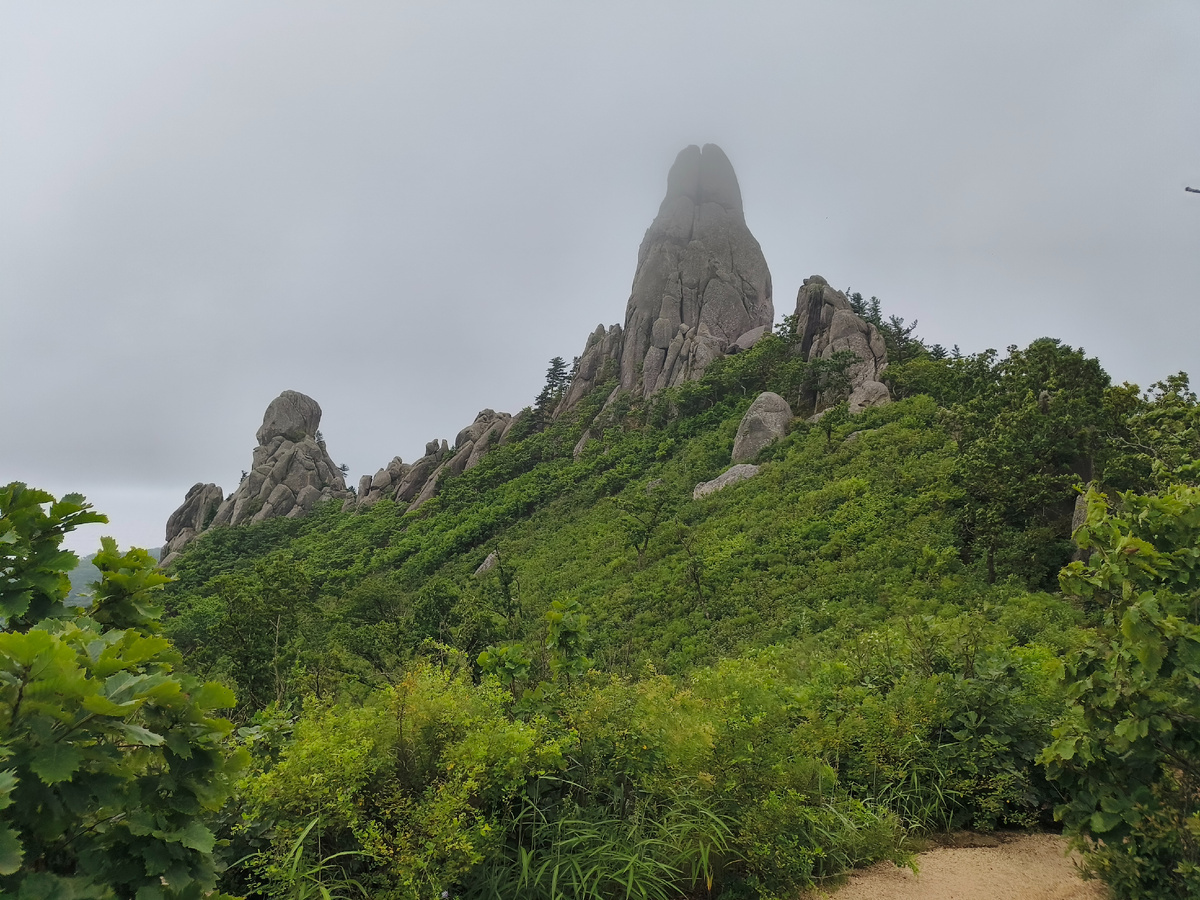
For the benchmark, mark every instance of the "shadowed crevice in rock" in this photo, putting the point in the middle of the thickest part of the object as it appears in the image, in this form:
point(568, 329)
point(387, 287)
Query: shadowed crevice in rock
point(826, 323)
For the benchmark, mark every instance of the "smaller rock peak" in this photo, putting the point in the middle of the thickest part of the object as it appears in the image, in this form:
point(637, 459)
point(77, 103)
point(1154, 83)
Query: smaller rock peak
point(815, 279)
point(292, 416)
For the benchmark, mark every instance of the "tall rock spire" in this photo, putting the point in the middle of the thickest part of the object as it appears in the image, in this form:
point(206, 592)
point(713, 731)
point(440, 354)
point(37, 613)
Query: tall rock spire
point(701, 284)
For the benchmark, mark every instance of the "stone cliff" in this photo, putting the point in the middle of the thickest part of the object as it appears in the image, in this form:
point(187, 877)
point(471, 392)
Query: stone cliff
point(701, 286)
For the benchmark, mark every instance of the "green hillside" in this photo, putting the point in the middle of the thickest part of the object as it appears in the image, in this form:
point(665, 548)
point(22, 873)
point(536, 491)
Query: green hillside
point(747, 691)
point(905, 622)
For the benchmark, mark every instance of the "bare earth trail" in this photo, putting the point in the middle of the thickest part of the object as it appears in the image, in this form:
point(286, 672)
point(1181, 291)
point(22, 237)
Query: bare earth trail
point(1000, 867)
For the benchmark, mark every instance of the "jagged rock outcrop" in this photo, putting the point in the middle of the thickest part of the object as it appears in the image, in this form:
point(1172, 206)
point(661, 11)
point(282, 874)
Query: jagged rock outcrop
point(415, 483)
point(725, 479)
point(291, 472)
point(384, 483)
point(199, 508)
point(701, 286)
point(826, 323)
point(600, 361)
point(765, 421)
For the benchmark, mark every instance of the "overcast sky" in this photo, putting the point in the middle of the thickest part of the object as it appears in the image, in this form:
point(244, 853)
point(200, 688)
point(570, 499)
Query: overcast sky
point(405, 209)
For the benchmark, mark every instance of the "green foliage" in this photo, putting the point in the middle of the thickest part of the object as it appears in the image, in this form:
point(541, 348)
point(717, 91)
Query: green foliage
point(769, 685)
point(1129, 751)
point(111, 757)
point(34, 569)
point(1026, 441)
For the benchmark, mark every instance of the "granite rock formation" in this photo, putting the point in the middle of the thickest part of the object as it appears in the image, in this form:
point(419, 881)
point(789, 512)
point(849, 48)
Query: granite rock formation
point(291, 472)
point(826, 323)
point(765, 421)
point(701, 286)
point(199, 508)
point(730, 476)
point(415, 483)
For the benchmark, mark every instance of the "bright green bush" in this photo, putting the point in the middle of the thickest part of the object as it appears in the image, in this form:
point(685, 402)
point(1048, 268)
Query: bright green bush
point(1128, 753)
point(112, 758)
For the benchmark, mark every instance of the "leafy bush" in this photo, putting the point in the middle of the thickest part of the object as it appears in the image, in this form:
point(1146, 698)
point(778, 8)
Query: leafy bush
point(112, 758)
point(1129, 751)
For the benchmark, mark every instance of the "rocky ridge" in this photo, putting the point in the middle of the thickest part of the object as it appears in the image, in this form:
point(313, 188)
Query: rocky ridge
point(701, 290)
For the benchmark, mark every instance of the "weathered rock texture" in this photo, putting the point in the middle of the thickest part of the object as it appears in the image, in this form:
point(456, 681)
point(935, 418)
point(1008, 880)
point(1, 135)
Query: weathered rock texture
point(827, 323)
point(724, 480)
point(701, 287)
point(765, 421)
point(415, 483)
point(199, 508)
point(291, 472)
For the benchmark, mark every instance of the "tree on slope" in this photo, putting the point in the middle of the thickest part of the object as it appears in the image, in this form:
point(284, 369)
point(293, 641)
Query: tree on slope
point(1129, 752)
point(108, 756)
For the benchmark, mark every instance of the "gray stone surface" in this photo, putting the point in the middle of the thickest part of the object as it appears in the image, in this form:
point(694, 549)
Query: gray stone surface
point(493, 559)
point(867, 394)
point(291, 472)
point(749, 339)
point(765, 421)
point(291, 416)
point(730, 476)
point(199, 508)
point(827, 323)
point(700, 286)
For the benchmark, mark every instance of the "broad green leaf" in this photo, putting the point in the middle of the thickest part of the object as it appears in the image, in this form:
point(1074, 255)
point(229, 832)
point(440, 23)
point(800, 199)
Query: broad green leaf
point(101, 705)
point(139, 735)
point(212, 695)
point(8, 783)
point(197, 837)
point(1104, 821)
point(11, 851)
point(56, 762)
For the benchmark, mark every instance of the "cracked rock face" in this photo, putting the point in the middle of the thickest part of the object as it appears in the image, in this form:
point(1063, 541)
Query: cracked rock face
point(199, 508)
point(765, 422)
point(416, 482)
point(826, 323)
point(291, 472)
point(701, 285)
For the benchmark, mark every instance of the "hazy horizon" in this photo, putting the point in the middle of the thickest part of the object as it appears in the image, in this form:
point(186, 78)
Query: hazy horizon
point(406, 211)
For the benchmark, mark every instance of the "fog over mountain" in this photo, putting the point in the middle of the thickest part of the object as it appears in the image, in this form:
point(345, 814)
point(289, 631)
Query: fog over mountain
point(404, 210)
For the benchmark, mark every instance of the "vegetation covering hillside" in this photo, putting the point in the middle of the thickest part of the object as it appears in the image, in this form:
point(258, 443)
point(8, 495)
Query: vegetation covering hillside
point(650, 695)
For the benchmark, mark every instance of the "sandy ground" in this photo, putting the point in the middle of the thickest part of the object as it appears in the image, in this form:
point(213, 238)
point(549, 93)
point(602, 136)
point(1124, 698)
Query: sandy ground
point(1005, 867)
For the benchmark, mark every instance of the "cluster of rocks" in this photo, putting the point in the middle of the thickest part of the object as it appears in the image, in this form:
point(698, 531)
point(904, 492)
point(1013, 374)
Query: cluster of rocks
point(415, 483)
point(702, 287)
point(826, 323)
point(701, 290)
point(291, 472)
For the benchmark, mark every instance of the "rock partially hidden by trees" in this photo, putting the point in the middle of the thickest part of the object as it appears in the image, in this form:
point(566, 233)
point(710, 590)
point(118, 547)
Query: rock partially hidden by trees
point(826, 324)
point(199, 508)
point(417, 482)
point(493, 559)
point(292, 472)
point(765, 421)
point(730, 476)
point(701, 286)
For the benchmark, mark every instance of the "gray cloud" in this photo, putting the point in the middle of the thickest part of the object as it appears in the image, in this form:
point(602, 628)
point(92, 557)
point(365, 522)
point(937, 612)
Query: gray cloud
point(405, 209)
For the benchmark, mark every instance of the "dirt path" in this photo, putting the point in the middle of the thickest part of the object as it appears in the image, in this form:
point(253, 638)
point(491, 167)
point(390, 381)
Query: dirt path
point(1006, 867)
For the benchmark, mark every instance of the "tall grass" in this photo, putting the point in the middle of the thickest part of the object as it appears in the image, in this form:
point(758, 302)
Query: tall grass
point(581, 853)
